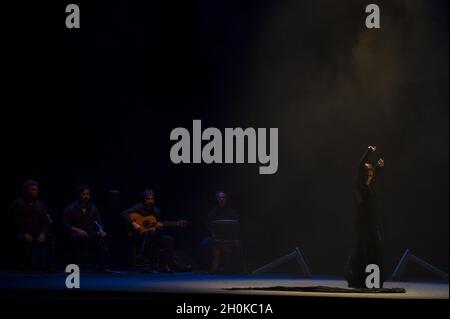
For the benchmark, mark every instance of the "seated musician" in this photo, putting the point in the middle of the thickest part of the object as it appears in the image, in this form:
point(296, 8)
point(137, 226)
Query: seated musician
point(31, 224)
point(221, 251)
point(146, 243)
point(84, 228)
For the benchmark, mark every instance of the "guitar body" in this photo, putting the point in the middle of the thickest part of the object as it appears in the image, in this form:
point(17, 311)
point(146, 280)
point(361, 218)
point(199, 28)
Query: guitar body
point(147, 223)
point(150, 224)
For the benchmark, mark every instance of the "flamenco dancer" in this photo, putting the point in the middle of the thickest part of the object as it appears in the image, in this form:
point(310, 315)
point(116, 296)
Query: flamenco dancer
point(368, 246)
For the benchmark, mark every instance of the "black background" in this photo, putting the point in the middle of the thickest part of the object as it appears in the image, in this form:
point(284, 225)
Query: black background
point(97, 105)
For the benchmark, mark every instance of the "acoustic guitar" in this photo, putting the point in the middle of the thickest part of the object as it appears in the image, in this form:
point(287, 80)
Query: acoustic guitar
point(150, 224)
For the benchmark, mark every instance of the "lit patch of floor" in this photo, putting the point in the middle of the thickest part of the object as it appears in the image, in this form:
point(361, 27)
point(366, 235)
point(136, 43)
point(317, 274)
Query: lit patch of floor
point(192, 283)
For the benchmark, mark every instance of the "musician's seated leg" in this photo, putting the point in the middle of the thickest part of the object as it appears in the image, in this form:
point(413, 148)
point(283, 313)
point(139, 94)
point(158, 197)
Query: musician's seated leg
point(136, 244)
point(39, 255)
point(50, 251)
point(167, 245)
point(227, 258)
point(93, 248)
point(152, 254)
point(132, 253)
point(145, 251)
point(216, 257)
point(84, 250)
point(75, 246)
point(205, 253)
point(22, 252)
point(233, 258)
point(31, 255)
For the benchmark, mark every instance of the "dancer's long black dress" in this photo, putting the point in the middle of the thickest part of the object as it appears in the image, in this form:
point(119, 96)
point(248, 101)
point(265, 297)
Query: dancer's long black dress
point(368, 247)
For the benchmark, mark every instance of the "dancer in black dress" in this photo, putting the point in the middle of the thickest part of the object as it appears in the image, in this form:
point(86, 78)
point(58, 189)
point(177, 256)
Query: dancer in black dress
point(368, 248)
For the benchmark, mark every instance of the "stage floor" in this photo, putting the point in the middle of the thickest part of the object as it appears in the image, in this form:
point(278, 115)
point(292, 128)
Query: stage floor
point(188, 283)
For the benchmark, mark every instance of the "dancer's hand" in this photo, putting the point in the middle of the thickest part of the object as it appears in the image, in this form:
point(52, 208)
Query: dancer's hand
point(380, 163)
point(372, 148)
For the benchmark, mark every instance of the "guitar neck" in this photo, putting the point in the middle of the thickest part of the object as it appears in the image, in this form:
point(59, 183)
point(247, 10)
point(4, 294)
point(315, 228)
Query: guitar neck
point(170, 223)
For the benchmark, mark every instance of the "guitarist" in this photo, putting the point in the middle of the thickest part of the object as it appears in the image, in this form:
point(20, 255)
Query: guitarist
point(146, 243)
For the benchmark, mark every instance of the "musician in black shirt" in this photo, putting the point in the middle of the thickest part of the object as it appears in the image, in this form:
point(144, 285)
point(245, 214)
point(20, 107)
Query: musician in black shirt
point(84, 227)
point(31, 225)
point(222, 251)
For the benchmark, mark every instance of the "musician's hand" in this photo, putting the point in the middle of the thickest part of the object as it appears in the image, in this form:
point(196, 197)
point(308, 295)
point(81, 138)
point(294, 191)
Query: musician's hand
point(380, 163)
point(101, 233)
point(372, 148)
point(136, 226)
point(159, 225)
point(28, 238)
point(41, 238)
point(82, 233)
